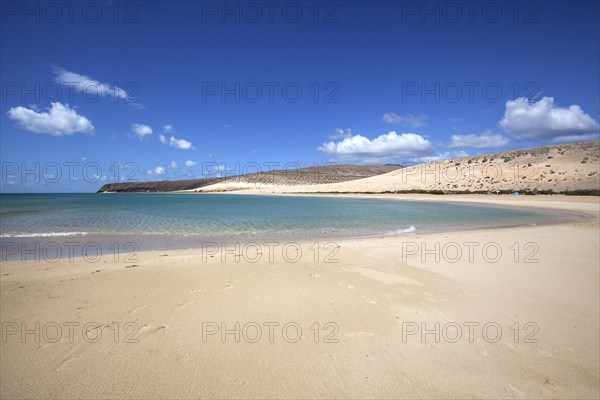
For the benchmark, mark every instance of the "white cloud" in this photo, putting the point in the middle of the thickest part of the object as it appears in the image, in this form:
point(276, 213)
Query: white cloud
point(167, 128)
point(543, 120)
point(173, 165)
point(141, 130)
point(487, 140)
point(58, 121)
point(190, 163)
point(91, 87)
point(157, 171)
point(408, 120)
point(388, 146)
point(177, 143)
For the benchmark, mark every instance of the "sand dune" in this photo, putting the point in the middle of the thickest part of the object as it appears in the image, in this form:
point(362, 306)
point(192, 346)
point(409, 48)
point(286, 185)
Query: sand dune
point(569, 168)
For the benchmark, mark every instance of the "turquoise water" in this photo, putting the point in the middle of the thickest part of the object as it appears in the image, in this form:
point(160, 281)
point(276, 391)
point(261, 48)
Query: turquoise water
point(242, 217)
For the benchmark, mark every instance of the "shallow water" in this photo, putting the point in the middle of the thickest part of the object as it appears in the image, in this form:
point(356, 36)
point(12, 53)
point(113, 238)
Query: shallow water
point(162, 221)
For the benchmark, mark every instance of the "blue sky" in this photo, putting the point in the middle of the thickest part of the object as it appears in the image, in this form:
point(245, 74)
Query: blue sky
point(178, 90)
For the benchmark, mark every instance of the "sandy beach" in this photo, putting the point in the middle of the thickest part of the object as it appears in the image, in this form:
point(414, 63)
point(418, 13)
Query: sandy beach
point(504, 313)
point(299, 200)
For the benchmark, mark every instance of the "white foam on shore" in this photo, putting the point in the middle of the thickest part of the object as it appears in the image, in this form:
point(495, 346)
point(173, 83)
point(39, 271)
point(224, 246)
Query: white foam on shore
point(410, 229)
point(51, 234)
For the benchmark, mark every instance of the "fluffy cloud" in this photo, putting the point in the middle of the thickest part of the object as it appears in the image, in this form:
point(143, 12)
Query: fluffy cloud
point(388, 146)
point(190, 163)
point(487, 140)
point(58, 121)
point(157, 171)
point(177, 143)
point(408, 120)
point(91, 87)
point(173, 165)
point(167, 128)
point(141, 130)
point(543, 120)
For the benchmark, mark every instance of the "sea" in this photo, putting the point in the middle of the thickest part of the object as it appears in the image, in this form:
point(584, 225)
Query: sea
point(166, 221)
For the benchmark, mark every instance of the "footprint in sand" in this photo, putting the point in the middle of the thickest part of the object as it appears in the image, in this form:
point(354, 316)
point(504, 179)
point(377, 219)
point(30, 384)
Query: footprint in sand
point(550, 384)
point(184, 305)
point(196, 290)
point(148, 330)
point(138, 309)
point(545, 353)
point(368, 300)
point(513, 392)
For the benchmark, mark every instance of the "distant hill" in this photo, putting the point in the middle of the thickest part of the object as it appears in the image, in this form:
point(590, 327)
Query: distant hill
point(300, 176)
point(566, 168)
point(157, 186)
